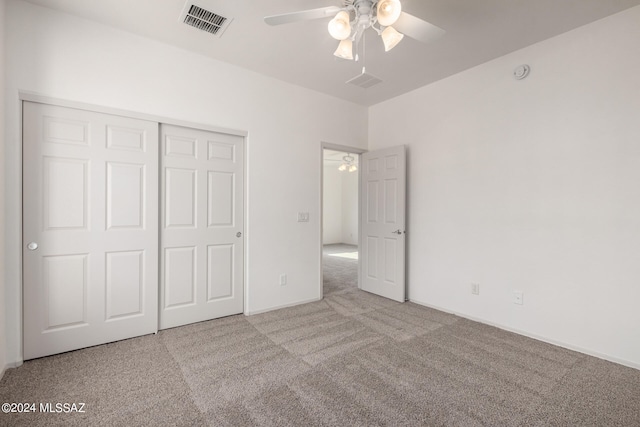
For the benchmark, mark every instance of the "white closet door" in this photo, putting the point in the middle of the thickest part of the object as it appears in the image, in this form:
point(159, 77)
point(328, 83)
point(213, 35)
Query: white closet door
point(202, 226)
point(90, 228)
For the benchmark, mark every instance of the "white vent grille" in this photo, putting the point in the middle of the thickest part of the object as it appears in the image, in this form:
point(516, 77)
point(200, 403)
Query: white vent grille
point(204, 20)
point(364, 80)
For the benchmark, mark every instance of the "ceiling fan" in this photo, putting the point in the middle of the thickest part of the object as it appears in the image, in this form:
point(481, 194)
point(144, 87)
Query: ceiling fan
point(355, 16)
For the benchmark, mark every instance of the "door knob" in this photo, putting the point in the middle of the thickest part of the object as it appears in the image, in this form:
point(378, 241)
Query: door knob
point(32, 246)
point(397, 232)
point(238, 234)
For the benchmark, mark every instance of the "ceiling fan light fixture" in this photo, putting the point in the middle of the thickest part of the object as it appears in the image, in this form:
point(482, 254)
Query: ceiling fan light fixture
point(345, 50)
point(339, 27)
point(348, 164)
point(388, 12)
point(390, 38)
point(350, 21)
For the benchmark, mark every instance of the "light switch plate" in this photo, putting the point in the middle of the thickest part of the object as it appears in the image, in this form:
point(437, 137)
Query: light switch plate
point(303, 216)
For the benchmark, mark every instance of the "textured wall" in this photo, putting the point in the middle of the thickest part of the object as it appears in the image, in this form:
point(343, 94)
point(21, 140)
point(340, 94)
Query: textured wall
point(531, 185)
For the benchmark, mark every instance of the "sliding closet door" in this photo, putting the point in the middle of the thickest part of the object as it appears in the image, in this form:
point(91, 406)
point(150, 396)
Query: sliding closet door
point(202, 225)
point(90, 228)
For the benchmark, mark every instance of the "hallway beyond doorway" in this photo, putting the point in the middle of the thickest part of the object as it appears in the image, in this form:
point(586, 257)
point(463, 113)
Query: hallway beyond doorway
point(340, 268)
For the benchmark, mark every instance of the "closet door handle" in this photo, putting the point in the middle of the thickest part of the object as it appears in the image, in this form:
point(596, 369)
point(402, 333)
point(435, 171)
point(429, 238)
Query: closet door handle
point(238, 234)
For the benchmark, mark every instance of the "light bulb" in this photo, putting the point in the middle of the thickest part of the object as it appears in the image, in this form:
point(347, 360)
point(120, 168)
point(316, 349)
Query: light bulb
point(390, 38)
point(353, 168)
point(342, 167)
point(339, 27)
point(388, 12)
point(344, 50)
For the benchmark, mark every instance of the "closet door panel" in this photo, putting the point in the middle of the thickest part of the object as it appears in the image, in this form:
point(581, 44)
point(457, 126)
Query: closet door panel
point(90, 228)
point(202, 207)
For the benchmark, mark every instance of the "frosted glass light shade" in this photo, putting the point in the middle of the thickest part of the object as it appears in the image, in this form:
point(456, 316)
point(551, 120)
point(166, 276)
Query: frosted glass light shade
point(344, 50)
point(388, 12)
point(390, 38)
point(339, 27)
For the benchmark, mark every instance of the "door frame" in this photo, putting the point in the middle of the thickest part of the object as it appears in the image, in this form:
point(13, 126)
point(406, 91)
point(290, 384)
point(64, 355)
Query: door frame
point(348, 149)
point(15, 311)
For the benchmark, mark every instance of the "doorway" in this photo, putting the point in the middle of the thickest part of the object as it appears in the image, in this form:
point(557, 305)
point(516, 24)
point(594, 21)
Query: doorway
point(340, 220)
point(381, 200)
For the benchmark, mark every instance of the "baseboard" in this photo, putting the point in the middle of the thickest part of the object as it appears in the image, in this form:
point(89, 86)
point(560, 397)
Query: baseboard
point(278, 307)
point(588, 352)
point(9, 366)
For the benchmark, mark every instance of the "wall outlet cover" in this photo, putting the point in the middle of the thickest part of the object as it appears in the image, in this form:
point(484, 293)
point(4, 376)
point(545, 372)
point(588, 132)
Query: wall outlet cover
point(518, 297)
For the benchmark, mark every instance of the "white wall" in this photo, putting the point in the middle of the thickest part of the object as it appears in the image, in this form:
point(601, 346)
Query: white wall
point(340, 206)
point(331, 205)
point(3, 341)
point(531, 185)
point(62, 56)
point(350, 208)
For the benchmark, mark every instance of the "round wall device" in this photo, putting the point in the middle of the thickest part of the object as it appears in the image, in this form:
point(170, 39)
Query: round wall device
point(521, 72)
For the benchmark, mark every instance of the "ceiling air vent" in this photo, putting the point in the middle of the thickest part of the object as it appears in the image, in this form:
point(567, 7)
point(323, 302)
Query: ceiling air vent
point(204, 20)
point(364, 80)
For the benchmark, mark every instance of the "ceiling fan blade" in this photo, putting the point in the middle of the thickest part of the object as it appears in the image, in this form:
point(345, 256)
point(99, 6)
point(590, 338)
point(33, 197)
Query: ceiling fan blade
point(303, 15)
point(417, 29)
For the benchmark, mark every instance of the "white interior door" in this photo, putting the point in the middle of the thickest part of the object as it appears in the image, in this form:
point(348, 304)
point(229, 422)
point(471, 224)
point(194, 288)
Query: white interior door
point(90, 228)
point(202, 217)
point(383, 198)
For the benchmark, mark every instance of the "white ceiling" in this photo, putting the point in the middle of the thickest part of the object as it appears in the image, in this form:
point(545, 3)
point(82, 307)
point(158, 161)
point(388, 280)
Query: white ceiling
point(302, 53)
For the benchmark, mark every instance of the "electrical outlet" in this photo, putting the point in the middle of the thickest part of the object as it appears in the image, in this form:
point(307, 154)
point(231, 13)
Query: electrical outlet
point(283, 279)
point(518, 297)
point(475, 288)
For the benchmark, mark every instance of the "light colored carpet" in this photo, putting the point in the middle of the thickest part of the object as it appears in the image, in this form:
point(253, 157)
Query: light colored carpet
point(352, 359)
point(339, 273)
